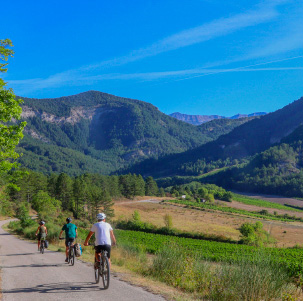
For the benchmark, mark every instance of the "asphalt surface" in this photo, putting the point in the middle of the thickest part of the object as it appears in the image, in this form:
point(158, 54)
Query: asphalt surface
point(28, 275)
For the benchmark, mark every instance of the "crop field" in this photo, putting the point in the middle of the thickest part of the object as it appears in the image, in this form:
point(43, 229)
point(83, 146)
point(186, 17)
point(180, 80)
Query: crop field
point(213, 251)
point(227, 209)
point(262, 203)
point(209, 222)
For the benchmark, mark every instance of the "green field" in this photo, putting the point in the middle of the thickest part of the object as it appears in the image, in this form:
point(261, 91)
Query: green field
point(261, 203)
point(213, 251)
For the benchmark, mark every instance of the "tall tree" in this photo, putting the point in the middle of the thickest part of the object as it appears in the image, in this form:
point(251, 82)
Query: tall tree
point(64, 191)
point(10, 132)
point(151, 187)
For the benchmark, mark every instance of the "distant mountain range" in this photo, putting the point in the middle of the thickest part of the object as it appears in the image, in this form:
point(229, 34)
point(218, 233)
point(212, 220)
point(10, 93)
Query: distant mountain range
point(97, 132)
point(102, 133)
point(199, 119)
point(243, 142)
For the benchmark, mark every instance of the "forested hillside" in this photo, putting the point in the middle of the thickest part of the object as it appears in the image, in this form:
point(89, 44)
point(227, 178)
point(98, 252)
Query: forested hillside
point(101, 133)
point(244, 141)
point(278, 170)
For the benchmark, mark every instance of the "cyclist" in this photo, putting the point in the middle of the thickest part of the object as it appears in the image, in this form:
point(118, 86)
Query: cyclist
point(41, 232)
point(104, 236)
point(70, 234)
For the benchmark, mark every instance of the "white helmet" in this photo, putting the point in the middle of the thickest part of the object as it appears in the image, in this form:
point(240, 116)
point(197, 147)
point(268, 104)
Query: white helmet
point(101, 216)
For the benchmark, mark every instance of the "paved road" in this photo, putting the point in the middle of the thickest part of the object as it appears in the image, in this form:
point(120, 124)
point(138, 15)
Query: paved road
point(29, 275)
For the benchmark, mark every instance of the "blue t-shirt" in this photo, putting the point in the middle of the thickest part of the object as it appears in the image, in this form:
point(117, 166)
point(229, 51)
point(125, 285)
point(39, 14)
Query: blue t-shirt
point(70, 230)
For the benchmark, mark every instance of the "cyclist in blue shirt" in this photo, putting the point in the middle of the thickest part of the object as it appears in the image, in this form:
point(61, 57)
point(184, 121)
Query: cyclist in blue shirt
point(70, 234)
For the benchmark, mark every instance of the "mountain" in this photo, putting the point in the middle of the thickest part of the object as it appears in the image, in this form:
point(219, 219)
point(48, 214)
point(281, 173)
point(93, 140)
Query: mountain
point(277, 170)
point(99, 132)
point(195, 119)
point(200, 119)
point(246, 140)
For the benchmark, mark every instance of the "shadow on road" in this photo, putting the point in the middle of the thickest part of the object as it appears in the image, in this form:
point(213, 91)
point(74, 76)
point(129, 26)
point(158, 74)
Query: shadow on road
point(5, 233)
point(18, 254)
point(55, 288)
point(33, 266)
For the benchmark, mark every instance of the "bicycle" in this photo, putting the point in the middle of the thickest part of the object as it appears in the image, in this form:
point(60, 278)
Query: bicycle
point(42, 245)
point(71, 252)
point(102, 269)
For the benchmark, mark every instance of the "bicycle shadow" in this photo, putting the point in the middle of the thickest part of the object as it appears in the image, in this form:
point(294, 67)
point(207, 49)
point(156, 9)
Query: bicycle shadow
point(56, 288)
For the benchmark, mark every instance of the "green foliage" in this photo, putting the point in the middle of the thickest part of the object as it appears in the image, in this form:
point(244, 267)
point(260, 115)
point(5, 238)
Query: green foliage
point(198, 191)
point(84, 195)
point(136, 217)
point(46, 206)
point(151, 187)
point(234, 148)
point(254, 278)
point(22, 214)
point(291, 259)
point(168, 221)
point(128, 132)
point(255, 235)
point(261, 203)
point(10, 133)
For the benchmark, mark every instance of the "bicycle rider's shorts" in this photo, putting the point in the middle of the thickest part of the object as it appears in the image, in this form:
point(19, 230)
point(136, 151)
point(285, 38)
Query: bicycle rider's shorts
point(71, 240)
point(107, 248)
point(39, 236)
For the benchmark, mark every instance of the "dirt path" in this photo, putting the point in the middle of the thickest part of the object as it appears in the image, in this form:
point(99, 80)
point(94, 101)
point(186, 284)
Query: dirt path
point(29, 275)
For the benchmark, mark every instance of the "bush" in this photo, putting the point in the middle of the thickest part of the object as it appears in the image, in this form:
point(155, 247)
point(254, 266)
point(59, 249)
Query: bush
point(255, 235)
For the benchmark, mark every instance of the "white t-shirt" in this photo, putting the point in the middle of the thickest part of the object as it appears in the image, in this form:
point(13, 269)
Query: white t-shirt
point(102, 233)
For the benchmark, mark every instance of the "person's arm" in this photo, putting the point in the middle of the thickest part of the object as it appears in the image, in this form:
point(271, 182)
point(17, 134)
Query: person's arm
point(37, 231)
point(113, 238)
point(76, 233)
point(90, 234)
point(60, 233)
point(45, 230)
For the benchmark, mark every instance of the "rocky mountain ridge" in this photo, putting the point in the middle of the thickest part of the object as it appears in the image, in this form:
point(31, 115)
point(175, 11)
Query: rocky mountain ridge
point(200, 119)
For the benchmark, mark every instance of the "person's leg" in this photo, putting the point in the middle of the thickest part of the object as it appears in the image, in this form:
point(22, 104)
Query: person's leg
point(38, 245)
point(66, 250)
point(97, 255)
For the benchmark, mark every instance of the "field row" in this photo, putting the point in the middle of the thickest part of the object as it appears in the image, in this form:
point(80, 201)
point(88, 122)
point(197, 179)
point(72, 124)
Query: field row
point(262, 203)
point(262, 214)
point(292, 259)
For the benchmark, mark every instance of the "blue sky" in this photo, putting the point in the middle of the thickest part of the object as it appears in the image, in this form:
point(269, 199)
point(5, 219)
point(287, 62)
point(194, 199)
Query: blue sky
point(194, 57)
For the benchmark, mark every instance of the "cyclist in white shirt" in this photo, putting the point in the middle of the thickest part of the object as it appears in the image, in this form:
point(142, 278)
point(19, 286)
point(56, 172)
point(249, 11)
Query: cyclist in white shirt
point(104, 236)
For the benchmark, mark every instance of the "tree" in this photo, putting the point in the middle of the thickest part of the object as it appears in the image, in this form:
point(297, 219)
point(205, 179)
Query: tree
point(100, 201)
point(10, 110)
point(151, 187)
point(64, 191)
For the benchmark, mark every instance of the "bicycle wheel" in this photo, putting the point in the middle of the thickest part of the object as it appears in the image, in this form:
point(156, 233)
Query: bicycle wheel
point(105, 272)
point(42, 246)
point(72, 256)
point(97, 273)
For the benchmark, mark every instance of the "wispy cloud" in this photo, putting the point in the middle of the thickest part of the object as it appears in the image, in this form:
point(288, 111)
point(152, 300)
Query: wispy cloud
point(59, 80)
point(264, 12)
point(214, 29)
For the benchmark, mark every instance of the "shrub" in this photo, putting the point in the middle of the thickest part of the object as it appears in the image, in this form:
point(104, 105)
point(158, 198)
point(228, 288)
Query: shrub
point(255, 235)
point(168, 221)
